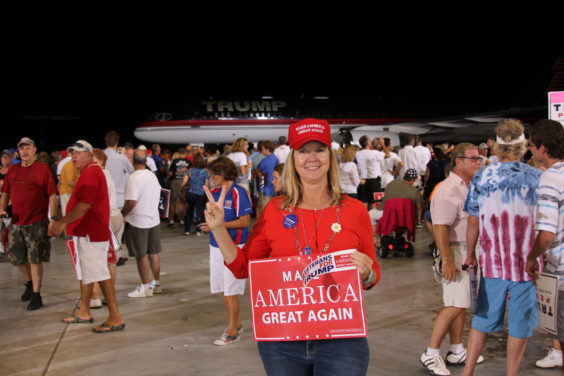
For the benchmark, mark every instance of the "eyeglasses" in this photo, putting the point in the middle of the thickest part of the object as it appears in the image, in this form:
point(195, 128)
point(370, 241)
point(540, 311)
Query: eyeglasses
point(473, 159)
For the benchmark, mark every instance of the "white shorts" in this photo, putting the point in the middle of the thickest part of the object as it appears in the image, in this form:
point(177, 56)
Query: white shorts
point(64, 198)
point(93, 259)
point(221, 278)
point(457, 293)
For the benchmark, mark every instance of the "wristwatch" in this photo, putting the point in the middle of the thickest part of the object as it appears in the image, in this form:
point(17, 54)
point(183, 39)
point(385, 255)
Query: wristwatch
point(55, 218)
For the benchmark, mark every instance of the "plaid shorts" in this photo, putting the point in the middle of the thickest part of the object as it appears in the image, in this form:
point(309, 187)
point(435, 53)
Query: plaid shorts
point(29, 243)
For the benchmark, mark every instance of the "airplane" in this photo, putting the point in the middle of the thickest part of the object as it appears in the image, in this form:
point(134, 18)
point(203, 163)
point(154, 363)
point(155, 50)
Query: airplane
point(223, 120)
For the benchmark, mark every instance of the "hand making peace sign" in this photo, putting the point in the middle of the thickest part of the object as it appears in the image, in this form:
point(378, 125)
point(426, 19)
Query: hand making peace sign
point(214, 209)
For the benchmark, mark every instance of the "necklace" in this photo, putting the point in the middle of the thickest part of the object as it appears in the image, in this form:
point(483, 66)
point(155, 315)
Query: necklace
point(307, 249)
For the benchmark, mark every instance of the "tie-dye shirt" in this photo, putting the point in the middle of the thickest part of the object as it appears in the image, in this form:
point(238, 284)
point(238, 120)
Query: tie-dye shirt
point(503, 197)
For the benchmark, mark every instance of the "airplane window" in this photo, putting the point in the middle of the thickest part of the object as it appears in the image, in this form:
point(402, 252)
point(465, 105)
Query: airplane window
point(163, 116)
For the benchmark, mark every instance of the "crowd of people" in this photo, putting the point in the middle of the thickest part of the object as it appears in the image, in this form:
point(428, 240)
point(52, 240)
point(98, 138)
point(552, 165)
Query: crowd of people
point(485, 209)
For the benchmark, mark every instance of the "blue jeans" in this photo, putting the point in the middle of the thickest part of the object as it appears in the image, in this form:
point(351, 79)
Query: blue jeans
point(346, 357)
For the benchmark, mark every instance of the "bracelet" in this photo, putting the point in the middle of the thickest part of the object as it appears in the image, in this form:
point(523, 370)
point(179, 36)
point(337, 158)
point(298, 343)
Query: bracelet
point(369, 278)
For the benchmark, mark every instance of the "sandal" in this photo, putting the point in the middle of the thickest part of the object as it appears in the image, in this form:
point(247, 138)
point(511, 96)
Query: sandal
point(110, 328)
point(78, 320)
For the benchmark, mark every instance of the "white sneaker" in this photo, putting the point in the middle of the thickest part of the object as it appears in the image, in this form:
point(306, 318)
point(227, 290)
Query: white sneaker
point(141, 292)
point(434, 364)
point(157, 289)
point(553, 359)
point(226, 339)
point(95, 303)
point(453, 359)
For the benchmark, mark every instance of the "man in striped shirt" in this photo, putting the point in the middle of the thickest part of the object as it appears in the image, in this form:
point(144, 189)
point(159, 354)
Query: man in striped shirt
point(546, 138)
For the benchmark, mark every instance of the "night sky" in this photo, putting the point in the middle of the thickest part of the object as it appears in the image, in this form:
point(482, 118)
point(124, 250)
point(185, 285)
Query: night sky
point(62, 99)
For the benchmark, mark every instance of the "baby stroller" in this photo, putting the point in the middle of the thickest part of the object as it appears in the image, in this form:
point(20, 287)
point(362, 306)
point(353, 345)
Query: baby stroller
point(398, 218)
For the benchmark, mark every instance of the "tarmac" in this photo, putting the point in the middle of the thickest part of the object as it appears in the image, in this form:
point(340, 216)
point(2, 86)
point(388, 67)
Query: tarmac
point(172, 333)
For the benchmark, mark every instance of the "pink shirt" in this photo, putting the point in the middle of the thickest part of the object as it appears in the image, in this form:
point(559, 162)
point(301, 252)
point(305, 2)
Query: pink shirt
point(446, 207)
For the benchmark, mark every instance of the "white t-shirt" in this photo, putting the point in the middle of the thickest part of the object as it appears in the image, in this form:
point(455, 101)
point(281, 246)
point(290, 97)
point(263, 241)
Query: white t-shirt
point(389, 164)
point(424, 156)
point(408, 156)
point(61, 164)
point(111, 194)
point(348, 177)
point(369, 166)
point(240, 159)
point(151, 164)
point(143, 187)
point(281, 152)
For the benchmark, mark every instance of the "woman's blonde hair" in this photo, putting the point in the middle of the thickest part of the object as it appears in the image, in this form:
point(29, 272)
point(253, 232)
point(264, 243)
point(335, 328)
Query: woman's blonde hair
point(292, 185)
point(238, 145)
point(349, 153)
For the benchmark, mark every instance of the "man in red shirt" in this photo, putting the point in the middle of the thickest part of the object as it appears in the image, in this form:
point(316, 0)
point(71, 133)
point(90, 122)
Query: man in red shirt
point(31, 188)
point(88, 220)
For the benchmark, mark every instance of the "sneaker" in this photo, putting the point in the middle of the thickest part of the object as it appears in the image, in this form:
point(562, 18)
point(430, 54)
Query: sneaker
point(141, 292)
point(95, 303)
point(553, 359)
point(453, 359)
point(434, 364)
point(199, 233)
point(157, 289)
point(187, 233)
point(35, 302)
point(28, 291)
point(170, 224)
point(226, 339)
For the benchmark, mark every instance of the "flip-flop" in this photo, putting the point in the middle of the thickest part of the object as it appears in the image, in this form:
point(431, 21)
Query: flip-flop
point(78, 320)
point(111, 328)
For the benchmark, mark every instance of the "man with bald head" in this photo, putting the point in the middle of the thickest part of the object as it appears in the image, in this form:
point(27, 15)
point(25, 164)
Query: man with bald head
point(143, 236)
point(87, 218)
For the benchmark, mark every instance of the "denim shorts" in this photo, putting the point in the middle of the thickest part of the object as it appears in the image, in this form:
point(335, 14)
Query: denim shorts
point(335, 357)
point(521, 307)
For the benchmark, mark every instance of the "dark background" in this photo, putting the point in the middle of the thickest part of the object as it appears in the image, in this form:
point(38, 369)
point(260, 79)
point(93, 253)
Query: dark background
point(57, 95)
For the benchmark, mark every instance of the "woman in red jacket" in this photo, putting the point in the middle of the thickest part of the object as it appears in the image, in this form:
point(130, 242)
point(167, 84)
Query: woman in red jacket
point(322, 221)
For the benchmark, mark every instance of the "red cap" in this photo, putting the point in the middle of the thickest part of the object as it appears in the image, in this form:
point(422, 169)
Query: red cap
point(307, 130)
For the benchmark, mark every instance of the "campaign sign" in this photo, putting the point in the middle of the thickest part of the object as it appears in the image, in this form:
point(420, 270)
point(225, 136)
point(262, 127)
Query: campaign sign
point(74, 257)
point(328, 263)
point(164, 203)
point(556, 106)
point(285, 309)
point(547, 298)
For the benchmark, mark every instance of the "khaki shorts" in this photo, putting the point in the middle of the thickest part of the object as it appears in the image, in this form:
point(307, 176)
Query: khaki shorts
point(29, 243)
point(93, 259)
point(143, 241)
point(457, 293)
